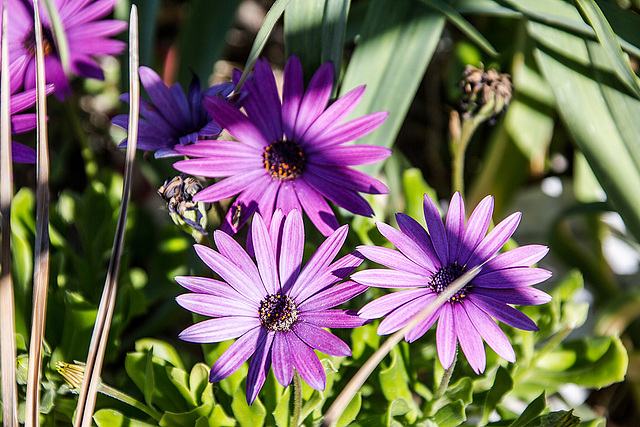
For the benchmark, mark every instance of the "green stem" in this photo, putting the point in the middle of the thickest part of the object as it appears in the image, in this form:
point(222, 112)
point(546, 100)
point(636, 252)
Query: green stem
point(444, 383)
point(117, 394)
point(297, 398)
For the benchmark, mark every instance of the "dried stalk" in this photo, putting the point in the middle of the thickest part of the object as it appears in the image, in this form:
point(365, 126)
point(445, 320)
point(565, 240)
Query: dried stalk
point(88, 391)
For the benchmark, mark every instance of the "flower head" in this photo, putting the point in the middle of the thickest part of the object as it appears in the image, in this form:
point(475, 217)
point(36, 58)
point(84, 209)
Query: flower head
point(427, 262)
point(291, 154)
point(275, 309)
point(172, 119)
point(86, 33)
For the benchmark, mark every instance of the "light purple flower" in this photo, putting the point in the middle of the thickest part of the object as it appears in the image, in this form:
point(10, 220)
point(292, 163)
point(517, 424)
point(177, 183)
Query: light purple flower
point(172, 119)
point(275, 309)
point(292, 154)
point(25, 122)
point(86, 33)
point(428, 262)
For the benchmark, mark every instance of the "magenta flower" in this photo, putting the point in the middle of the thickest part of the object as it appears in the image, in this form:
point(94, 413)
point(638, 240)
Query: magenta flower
point(171, 118)
point(25, 122)
point(275, 309)
point(427, 262)
point(292, 154)
point(86, 33)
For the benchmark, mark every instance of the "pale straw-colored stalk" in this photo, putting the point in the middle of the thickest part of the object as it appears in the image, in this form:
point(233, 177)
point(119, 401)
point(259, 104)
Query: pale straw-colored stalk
point(339, 405)
point(7, 322)
point(97, 347)
point(41, 253)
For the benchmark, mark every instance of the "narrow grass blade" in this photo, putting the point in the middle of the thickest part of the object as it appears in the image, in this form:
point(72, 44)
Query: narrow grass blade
point(97, 347)
point(41, 264)
point(261, 38)
point(7, 322)
point(338, 406)
point(59, 35)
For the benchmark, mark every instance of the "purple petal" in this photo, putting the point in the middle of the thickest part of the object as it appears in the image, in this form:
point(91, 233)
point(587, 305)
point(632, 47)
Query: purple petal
point(333, 318)
point(335, 114)
point(476, 229)
point(470, 340)
point(265, 257)
point(392, 258)
point(436, 230)
point(522, 256)
point(220, 167)
point(292, 249)
point(223, 189)
point(258, 368)
point(333, 296)
point(385, 304)
point(446, 336)
point(382, 278)
point(321, 340)
point(232, 250)
point(231, 119)
point(263, 103)
point(276, 228)
point(349, 178)
point(316, 208)
point(517, 296)
point(343, 267)
point(287, 200)
point(219, 329)
point(236, 354)
point(315, 99)
point(281, 359)
point(306, 363)
point(229, 150)
point(306, 284)
point(511, 277)
point(217, 306)
point(161, 96)
point(490, 332)
point(205, 285)
point(22, 154)
point(411, 241)
point(350, 131)
point(455, 226)
point(420, 329)
point(403, 314)
point(495, 240)
point(292, 91)
point(503, 312)
point(230, 273)
point(259, 197)
point(348, 155)
point(341, 196)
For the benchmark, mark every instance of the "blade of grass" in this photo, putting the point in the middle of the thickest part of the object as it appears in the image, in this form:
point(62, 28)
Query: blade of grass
point(59, 35)
point(41, 267)
point(261, 38)
point(7, 322)
point(97, 347)
point(338, 406)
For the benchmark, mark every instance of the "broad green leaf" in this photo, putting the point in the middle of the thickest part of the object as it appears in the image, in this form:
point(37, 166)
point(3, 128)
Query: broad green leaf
point(462, 24)
point(247, 416)
point(148, 11)
point(351, 411)
point(609, 41)
point(534, 409)
point(397, 408)
point(180, 380)
point(149, 379)
point(282, 413)
point(334, 23)
point(450, 415)
point(261, 38)
point(396, 45)
point(588, 105)
point(187, 419)
point(161, 349)
point(303, 33)
point(198, 381)
point(502, 384)
point(202, 37)
point(112, 418)
point(415, 187)
point(394, 382)
point(22, 229)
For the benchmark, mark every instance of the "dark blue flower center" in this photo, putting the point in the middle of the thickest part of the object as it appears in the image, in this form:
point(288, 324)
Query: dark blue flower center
point(444, 277)
point(278, 312)
point(48, 43)
point(284, 159)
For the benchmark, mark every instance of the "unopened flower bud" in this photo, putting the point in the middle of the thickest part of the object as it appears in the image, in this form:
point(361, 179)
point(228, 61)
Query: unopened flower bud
point(485, 93)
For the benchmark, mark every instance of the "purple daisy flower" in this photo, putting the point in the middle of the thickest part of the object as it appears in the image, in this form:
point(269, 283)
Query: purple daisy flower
point(172, 119)
point(21, 123)
point(275, 309)
point(427, 262)
point(291, 154)
point(87, 37)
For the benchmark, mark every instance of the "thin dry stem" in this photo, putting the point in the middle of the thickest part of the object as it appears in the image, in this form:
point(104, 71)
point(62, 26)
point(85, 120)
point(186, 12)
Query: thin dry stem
point(88, 391)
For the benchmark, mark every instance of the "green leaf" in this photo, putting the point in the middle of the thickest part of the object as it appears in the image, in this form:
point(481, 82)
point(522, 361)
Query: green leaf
point(397, 408)
point(247, 416)
point(350, 412)
point(334, 23)
point(202, 37)
point(303, 33)
point(180, 381)
point(502, 384)
point(415, 187)
point(281, 413)
point(534, 409)
point(111, 418)
point(161, 349)
point(148, 11)
point(188, 419)
point(394, 382)
point(450, 415)
point(149, 380)
point(198, 381)
point(397, 42)
point(261, 38)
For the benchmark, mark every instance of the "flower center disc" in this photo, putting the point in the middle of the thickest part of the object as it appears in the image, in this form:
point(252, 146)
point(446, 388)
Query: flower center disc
point(278, 312)
point(48, 45)
point(284, 159)
point(444, 277)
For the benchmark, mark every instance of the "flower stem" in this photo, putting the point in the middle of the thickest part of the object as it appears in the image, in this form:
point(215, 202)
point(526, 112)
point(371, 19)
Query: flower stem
point(297, 398)
point(444, 383)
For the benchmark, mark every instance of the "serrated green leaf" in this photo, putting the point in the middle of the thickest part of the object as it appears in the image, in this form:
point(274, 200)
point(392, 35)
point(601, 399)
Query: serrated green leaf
point(111, 417)
point(532, 410)
point(450, 415)
point(396, 45)
point(247, 416)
